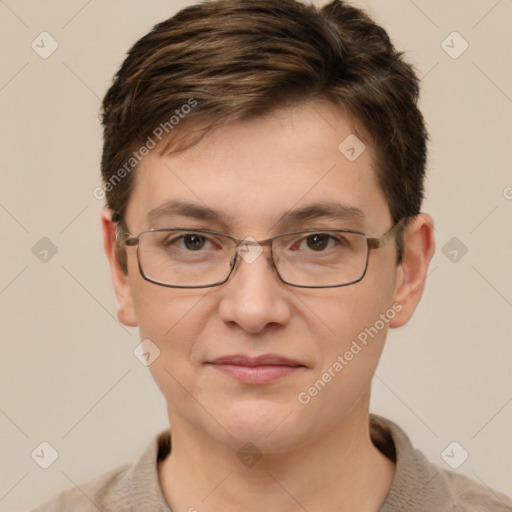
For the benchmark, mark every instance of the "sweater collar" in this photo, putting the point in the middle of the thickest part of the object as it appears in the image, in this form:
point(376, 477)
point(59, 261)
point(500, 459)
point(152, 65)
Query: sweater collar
point(415, 478)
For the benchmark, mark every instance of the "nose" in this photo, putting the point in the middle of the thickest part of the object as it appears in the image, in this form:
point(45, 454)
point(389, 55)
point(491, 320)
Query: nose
point(254, 296)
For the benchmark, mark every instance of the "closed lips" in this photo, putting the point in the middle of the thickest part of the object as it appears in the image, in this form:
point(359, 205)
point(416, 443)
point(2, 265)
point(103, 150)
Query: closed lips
point(265, 360)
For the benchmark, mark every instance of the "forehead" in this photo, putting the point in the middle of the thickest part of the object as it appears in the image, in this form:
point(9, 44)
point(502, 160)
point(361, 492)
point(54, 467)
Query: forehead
point(252, 173)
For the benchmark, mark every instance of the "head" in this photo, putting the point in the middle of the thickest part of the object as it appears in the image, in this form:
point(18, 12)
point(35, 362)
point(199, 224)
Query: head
point(243, 109)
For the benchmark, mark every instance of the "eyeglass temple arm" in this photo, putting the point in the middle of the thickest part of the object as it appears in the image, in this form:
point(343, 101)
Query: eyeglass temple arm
point(376, 243)
point(124, 238)
point(130, 242)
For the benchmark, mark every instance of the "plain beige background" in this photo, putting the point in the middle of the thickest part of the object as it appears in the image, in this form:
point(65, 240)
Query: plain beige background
point(67, 372)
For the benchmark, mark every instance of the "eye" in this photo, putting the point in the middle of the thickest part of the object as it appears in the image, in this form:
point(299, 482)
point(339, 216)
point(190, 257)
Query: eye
point(316, 242)
point(194, 241)
point(189, 241)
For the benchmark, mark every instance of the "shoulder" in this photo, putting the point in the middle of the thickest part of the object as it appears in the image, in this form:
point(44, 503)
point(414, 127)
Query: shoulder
point(472, 496)
point(420, 485)
point(105, 492)
point(132, 486)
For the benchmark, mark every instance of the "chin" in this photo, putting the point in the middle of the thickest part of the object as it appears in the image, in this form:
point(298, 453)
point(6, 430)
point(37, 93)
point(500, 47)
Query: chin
point(266, 424)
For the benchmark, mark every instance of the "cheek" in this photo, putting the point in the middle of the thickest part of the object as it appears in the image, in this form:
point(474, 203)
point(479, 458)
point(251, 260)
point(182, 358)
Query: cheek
point(348, 311)
point(173, 320)
point(162, 311)
point(354, 324)
point(357, 327)
point(356, 335)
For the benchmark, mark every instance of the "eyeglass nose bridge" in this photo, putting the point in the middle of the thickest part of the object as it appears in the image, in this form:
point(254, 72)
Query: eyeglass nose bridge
point(250, 256)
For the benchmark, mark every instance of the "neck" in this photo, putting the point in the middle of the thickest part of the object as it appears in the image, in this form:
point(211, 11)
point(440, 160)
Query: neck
point(341, 471)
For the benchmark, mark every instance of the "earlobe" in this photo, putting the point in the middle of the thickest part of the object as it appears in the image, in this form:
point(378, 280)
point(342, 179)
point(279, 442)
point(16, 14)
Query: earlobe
point(419, 247)
point(126, 313)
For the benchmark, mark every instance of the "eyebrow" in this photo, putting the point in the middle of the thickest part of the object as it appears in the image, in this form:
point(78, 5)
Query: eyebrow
point(320, 210)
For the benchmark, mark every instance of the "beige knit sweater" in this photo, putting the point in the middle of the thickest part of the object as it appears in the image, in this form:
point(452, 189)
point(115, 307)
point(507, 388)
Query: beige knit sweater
point(418, 485)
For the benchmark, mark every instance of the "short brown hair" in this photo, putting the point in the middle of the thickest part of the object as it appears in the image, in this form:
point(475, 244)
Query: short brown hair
point(238, 59)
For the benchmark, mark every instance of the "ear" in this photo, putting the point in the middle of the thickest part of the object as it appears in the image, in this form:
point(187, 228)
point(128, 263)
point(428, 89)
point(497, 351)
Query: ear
point(419, 247)
point(122, 288)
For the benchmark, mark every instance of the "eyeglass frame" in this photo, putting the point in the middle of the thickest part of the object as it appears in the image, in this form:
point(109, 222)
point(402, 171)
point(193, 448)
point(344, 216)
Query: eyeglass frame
point(131, 240)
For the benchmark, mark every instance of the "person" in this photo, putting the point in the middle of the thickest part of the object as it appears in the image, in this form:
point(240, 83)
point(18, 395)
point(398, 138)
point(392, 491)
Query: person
point(263, 165)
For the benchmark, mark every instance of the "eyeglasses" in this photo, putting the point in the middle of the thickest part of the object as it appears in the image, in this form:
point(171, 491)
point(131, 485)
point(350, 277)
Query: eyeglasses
point(196, 258)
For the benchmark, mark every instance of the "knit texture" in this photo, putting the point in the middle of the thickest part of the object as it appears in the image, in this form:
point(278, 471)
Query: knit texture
point(418, 485)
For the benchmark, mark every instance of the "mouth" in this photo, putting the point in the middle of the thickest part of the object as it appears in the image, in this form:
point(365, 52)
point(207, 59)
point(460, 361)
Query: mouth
point(256, 370)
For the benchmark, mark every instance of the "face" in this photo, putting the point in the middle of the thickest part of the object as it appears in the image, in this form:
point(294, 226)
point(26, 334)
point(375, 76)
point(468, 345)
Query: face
point(251, 173)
